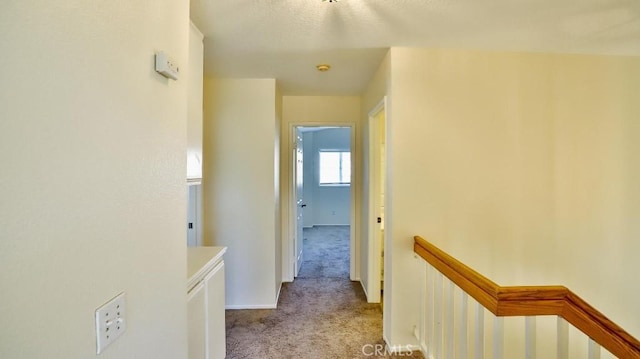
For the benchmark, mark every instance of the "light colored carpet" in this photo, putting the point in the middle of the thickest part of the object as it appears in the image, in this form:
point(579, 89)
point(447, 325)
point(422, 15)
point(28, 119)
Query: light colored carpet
point(321, 315)
point(325, 252)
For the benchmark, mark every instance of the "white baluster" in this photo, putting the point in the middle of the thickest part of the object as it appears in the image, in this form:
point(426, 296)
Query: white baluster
point(594, 349)
point(479, 332)
point(438, 314)
point(462, 325)
point(430, 317)
point(423, 303)
point(498, 338)
point(563, 339)
point(530, 337)
point(449, 338)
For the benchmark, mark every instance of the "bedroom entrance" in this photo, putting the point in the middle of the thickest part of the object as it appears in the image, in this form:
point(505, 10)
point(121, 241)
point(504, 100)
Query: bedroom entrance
point(322, 202)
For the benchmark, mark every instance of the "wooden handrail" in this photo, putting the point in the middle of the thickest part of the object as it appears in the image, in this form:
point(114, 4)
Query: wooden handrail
point(531, 300)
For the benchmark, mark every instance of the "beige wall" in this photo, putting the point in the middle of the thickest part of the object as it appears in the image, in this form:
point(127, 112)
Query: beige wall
point(276, 185)
point(597, 181)
point(315, 110)
point(373, 95)
point(194, 76)
point(239, 184)
point(521, 165)
point(92, 147)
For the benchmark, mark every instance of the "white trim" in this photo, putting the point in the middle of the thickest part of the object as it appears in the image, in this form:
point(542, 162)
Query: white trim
point(195, 28)
point(354, 245)
point(401, 348)
point(379, 107)
point(251, 306)
point(374, 267)
point(293, 199)
point(194, 181)
point(364, 289)
point(278, 294)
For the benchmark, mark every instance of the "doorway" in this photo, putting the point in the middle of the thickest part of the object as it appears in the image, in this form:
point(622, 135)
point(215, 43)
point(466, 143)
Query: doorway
point(376, 166)
point(194, 215)
point(321, 201)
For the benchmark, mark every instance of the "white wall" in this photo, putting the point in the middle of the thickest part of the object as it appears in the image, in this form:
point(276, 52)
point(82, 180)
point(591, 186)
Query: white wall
point(314, 110)
point(240, 185)
point(520, 165)
point(326, 205)
point(92, 147)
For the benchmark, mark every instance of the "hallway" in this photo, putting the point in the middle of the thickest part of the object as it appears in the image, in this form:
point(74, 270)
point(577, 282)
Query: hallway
point(322, 314)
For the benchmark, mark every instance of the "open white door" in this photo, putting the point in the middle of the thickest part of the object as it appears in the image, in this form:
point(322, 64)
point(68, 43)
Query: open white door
point(375, 222)
point(298, 173)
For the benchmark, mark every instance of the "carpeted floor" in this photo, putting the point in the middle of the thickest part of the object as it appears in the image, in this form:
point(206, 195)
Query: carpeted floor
point(325, 253)
point(321, 315)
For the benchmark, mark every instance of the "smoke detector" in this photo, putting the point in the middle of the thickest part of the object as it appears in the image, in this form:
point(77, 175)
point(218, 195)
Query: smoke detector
point(324, 67)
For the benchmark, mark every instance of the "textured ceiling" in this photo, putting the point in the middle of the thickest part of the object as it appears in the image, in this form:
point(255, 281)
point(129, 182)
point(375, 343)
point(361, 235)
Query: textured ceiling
point(285, 39)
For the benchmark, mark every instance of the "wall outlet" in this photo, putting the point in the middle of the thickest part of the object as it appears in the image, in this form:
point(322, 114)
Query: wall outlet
point(165, 67)
point(110, 322)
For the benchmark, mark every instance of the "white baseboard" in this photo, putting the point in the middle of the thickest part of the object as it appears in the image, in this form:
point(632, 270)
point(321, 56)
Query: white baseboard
point(278, 294)
point(423, 350)
point(250, 306)
point(367, 294)
point(330, 225)
point(407, 348)
point(365, 291)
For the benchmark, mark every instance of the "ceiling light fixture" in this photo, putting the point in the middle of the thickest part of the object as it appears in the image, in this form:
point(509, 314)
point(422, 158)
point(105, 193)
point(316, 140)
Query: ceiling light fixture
point(330, 0)
point(323, 67)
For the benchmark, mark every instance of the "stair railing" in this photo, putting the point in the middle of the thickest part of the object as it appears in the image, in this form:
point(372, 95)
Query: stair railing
point(447, 330)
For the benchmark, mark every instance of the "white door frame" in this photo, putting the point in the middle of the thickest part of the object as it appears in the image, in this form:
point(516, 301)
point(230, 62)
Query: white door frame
point(289, 246)
point(374, 254)
point(294, 196)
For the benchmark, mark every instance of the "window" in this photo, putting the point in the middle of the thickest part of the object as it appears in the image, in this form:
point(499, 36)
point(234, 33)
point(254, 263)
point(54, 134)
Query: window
point(335, 168)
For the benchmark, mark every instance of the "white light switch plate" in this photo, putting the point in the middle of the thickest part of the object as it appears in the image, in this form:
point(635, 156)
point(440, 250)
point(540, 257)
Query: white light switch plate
point(110, 322)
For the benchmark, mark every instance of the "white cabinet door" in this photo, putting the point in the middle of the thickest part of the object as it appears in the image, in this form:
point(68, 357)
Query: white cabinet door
point(196, 318)
point(216, 332)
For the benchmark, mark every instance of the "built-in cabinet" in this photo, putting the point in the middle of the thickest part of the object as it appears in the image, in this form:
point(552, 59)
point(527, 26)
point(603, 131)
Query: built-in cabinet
point(206, 302)
point(194, 108)
point(197, 315)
